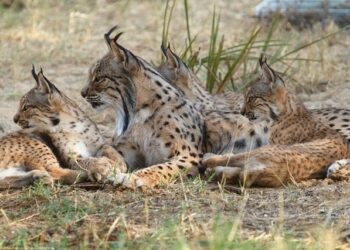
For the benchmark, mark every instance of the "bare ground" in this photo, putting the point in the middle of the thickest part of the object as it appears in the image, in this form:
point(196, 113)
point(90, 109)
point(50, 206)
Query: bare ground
point(65, 40)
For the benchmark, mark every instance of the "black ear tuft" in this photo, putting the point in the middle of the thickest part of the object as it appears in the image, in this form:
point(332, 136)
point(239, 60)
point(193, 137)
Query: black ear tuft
point(35, 76)
point(107, 35)
point(262, 59)
point(172, 59)
point(116, 37)
point(113, 43)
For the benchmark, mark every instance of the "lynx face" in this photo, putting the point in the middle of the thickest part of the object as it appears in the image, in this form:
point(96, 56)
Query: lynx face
point(110, 85)
point(44, 105)
point(101, 91)
point(266, 97)
point(40, 107)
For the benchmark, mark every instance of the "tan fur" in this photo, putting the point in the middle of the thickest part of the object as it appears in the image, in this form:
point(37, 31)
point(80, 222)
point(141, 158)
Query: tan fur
point(71, 134)
point(301, 147)
point(178, 74)
point(176, 71)
point(33, 159)
point(227, 131)
point(157, 128)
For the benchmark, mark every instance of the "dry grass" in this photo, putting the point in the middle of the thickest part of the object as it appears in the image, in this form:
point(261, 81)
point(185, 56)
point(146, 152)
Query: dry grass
point(65, 38)
point(197, 215)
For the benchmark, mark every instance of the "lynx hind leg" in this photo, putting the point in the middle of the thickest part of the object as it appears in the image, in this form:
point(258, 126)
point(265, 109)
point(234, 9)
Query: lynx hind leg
point(339, 170)
point(227, 174)
point(227, 160)
point(21, 178)
point(44, 160)
point(117, 160)
point(247, 176)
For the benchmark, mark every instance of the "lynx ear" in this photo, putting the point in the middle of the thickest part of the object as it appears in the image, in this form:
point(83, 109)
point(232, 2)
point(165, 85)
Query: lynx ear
point(267, 72)
point(113, 43)
point(131, 62)
point(172, 60)
point(41, 84)
point(35, 76)
point(44, 85)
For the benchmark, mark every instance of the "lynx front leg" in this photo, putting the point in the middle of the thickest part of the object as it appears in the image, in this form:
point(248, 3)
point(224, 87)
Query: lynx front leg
point(117, 161)
point(247, 169)
point(159, 174)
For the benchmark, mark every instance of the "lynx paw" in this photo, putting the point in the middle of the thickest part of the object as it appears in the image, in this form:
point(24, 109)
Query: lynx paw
point(339, 170)
point(43, 176)
point(207, 156)
point(99, 169)
point(211, 160)
point(131, 181)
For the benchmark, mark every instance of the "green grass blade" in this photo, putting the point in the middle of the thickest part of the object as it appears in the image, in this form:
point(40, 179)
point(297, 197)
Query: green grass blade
point(234, 66)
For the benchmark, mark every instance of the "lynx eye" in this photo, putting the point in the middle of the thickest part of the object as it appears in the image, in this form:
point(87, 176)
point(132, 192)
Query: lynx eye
point(25, 107)
point(99, 81)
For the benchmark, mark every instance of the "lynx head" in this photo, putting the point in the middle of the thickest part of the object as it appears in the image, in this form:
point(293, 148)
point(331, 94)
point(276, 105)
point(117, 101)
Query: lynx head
point(267, 96)
point(44, 105)
point(110, 82)
point(103, 77)
point(179, 75)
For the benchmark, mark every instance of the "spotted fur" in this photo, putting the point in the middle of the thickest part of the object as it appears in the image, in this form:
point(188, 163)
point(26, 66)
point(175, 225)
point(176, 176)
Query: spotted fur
point(227, 131)
point(74, 138)
point(160, 130)
point(176, 71)
point(300, 146)
point(24, 158)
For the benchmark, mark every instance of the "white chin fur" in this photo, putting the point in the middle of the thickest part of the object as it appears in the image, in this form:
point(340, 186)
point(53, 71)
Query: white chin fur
point(119, 121)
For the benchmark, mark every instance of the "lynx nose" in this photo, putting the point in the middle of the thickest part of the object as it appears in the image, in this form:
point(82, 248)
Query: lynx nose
point(16, 118)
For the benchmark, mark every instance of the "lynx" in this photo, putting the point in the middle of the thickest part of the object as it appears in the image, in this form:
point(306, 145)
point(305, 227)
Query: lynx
point(176, 71)
point(157, 129)
point(74, 138)
point(300, 146)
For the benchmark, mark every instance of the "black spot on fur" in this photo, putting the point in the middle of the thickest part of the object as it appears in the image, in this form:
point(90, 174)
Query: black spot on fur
point(240, 144)
point(55, 121)
point(266, 129)
point(258, 142)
